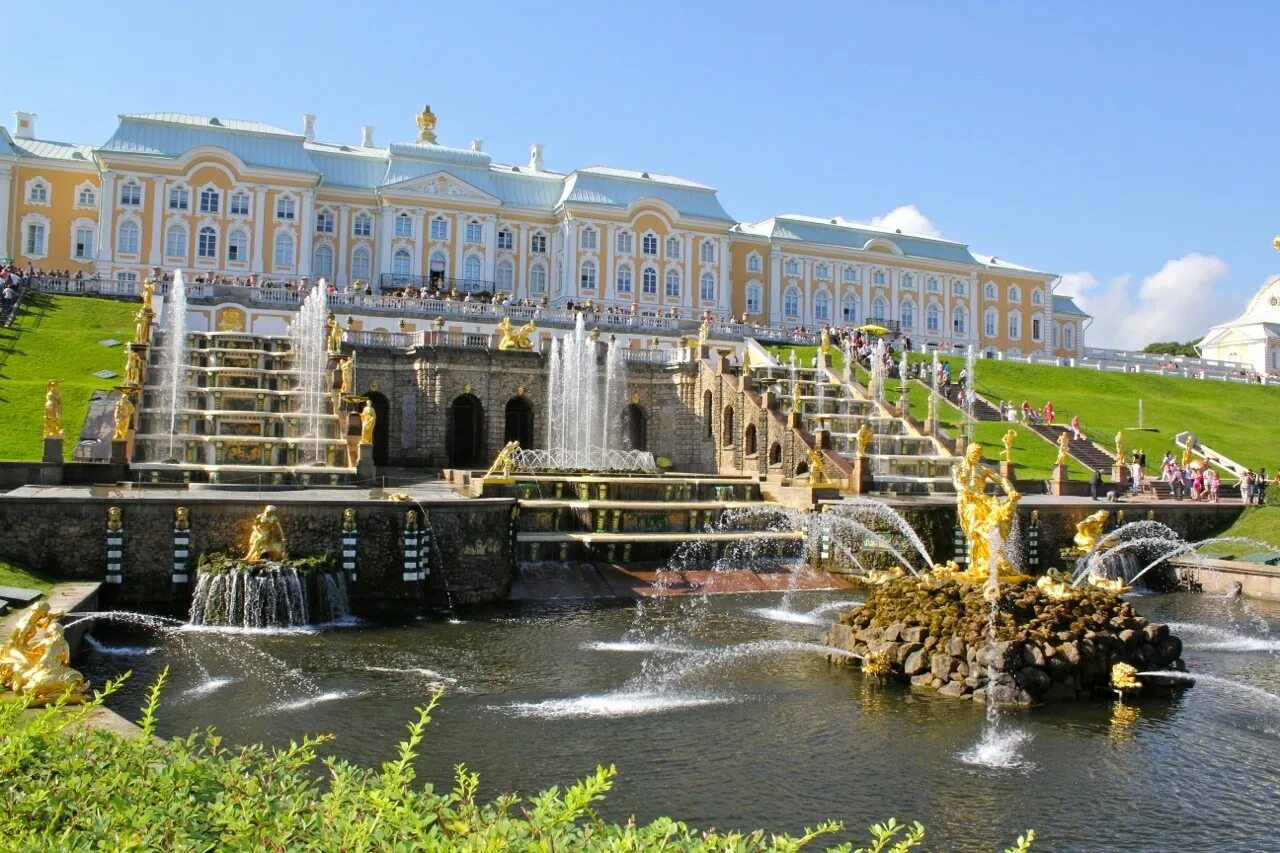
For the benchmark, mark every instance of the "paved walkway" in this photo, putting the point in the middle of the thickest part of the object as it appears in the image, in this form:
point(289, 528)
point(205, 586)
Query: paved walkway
point(430, 492)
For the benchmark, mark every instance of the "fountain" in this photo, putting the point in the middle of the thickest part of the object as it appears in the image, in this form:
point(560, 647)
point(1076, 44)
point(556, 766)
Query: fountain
point(173, 360)
point(309, 339)
point(970, 368)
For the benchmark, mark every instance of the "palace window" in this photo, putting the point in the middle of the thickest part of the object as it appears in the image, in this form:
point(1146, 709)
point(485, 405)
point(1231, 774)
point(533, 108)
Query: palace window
point(322, 261)
point(87, 197)
point(708, 250)
point(362, 225)
point(475, 232)
point(1037, 298)
point(791, 303)
point(1053, 335)
point(959, 287)
point(622, 242)
point(908, 315)
point(175, 241)
point(401, 262)
point(822, 307)
point(36, 239)
point(286, 208)
point(538, 245)
point(649, 282)
point(404, 225)
point(933, 319)
point(649, 245)
point(439, 228)
point(707, 287)
point(754, 264)
point(753, 298)
point(879, 309)
point(673, 248)
point(284, 250)
point(207, 244)
point(849, 309)
point(1015, 326)
point(1015, 293)
point(126, 276)
point(237, 246)
point(822, 271)
point(506, 240)
point(932, 285)
point(850, 273)
point(877, 277)
point(587, 278)
point(360, 264)
point(624, 279)
point(1068, 336)
point(239, 204)
point(587, 239)
point(209, 200)
point(179, 198)
point(673, 284)
point(908, 282)
point(471, 269)
point(131, 194)
point(324, 222)
point(506, 275)
point(989, 321)
point(127, 238)
point(538, 279)
point(792, 267)
point(84, 242)
point(960, 321)
point(39, 193)
point(1036, 333)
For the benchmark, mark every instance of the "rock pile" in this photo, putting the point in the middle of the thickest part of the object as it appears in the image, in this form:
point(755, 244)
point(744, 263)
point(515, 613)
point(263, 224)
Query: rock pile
point(935, 633)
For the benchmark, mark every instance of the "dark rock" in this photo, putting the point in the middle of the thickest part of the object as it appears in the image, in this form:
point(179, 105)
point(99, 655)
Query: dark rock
point(1007, 694)
point(942, 665)
point(1129, 637)
point(1156, 632)
point(893, 633)
point(953, 689)
point(1032, 656)
point(916, 662)
point(955, 647)
point(840, 636)
point(980, 695)
point(1033, 680)
point(1170, 649)
point(1070, 652)
point(906, 650)
point(914, 634)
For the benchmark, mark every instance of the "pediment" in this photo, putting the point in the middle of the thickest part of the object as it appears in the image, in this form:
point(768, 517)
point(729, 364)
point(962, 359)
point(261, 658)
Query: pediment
point(440, 184)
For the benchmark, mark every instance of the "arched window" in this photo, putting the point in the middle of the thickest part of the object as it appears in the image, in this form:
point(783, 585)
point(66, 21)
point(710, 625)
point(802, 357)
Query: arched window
point(879, 309)
point(708, 409)
point(850, 273)
point(624, 279)
point(990, 319)
point(932, 285)
point(131, 195)
point(439, 228)
point(1037, 298)
point(792, 266)
point(1015, 293)
point(175, 241)
point(506, 240)
point(649, 245)
point(471, 268)
point(1053, 335)
point(623, 242)
point(822, 307)
point(404, 225)
point(649, 282)
point(822, 271)
point(587, 278)
point(537, 279)
point(673, 284)
point(322, 261)
point(475, 232)
point(959, 287)
point(587, 239)
point(726, 426)
point(1037, 328)
point(87, 197)
point(708, 250)
point(438, 262)
point(707, 287)
point(908, 282)
point(210, 200)
point(401, 262)
point(960, 321)
point(362, 225)
point(673, 248)
point(753, 298)
point(791, 303)
point(324, 222)
point(933, 319)
point(38, 192)
point(1015, 325)
point(749, 440)
point(239, 204)
point(908, 315)
point(849, 309)
point(360, 264)
point(286, 207)
point(754, 264)
point(238, 245)
point(284, 250)
point(877, 277)
point(506, 274)
point(538, 244)
point(207, 243)
point(127, 238)
point(989, 291)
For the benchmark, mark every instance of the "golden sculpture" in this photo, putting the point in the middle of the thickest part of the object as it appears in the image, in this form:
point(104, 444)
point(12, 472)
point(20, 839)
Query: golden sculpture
point(824, 341)
point(348, 370)
point(1186, 452)
point(1089, 531)
point(368, 420)
point(142, 325)
point(865, 436)
point(1055, 585)
point(1120, 447)
point(53, 409)
point(348, 519)
point(1007, 440)
point(427, 125)
point(504, 462)
point(148, 293)
point(266, 538)
point(124, 413)
point(115, 519)
point(877, 664)
point(985, 519)
point(411, 521)
point(182, 518)
point(510, 338)
point(334, 334)
point(1064, 445)
point(1115, 586)
point(36, 661)
point(704, 332)
point(1124, 678)
point(399, 497)
point(818, 475)
point(133, 368)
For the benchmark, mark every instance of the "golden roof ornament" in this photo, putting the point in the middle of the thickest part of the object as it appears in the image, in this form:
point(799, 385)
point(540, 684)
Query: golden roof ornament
point(427, 125)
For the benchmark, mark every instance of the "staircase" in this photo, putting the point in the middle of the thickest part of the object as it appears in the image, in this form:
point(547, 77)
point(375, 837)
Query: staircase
point(982, 410)
point(1083, 451)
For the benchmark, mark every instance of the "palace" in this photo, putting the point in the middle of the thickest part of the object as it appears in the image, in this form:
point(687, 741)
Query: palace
point(222, 197)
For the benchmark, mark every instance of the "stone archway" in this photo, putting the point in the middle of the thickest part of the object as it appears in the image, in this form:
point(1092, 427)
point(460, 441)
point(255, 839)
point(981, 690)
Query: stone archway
point(749, 440)
point(635, 427)
point(726, 427)
point(464, 437)
point(775, 454)
point(708, 412)
point(381, 426)
point(518, 423)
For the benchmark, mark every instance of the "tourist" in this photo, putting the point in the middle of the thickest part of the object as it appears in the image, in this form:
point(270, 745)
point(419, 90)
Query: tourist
point(1049, 413)
point(1260, 487)
point(1136, 473)
point(1173, 476)
point(1214, 483)
point(1076, 434)
point(1026, 412)
point(1246, 487)
point(1197, 485)
point(1095, 483)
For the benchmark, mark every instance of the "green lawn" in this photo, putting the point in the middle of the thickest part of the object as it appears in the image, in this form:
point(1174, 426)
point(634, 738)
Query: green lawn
point(1256, 522)
point(805, 355)
point(12, 574)
point(56, 337)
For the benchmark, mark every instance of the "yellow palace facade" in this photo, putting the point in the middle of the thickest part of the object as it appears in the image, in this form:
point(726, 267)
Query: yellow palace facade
point(231, 198)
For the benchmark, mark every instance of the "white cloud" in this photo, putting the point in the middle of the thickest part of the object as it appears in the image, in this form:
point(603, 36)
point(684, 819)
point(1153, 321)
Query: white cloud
point(1178, 303)
point(908, 218)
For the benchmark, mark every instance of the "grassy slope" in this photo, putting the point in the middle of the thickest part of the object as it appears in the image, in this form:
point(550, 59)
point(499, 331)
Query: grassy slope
point(12, 574)
point(56, 337)
point(1261, 523)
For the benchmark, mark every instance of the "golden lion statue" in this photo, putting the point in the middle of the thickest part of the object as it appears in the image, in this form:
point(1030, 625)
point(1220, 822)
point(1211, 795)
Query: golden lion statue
point(1089, 531)
point(510, 338)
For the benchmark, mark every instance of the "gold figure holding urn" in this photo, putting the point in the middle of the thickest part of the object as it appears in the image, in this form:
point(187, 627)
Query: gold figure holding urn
point(266, 538)
point(36, 661)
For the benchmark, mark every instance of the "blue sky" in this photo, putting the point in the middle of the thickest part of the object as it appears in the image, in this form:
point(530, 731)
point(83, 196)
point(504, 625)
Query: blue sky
point(1128, 146)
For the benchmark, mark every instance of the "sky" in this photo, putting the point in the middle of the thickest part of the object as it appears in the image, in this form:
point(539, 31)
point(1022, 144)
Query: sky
point(1128, 147)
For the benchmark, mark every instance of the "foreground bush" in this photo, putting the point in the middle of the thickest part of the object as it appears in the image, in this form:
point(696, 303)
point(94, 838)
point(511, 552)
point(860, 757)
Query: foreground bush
point(69, 786)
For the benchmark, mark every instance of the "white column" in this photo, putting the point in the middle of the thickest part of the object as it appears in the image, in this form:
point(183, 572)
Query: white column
point(106, 204)
point(775, 286)
point(258, 252)
point(490, 226)
point(569, 262)
point(383, 238)
point(158, 208)
point(6, 182)
point(419, 238)
point(344, 233)
point(726, 285)
point(306, 231)
point(520, 282)
point(608, 278)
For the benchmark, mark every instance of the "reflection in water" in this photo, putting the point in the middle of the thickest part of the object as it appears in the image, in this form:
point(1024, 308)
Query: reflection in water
point(745, 724)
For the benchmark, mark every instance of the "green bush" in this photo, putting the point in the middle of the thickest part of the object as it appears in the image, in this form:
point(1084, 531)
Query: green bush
point(70, 786)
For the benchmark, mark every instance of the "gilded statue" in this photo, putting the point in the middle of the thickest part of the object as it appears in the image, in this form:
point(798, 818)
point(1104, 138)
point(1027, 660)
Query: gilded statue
point(348, 371)
point(824, 342)
point(124, 413)
point(427, 125)
point(510, 338)
point(334, 334)
point(133, 368)
point(142, 325)
point(266, 538)
point(115, 519)
point(1007, 440)
point(985, 519)
point(818, 475)
point(349, 520)
point(704, 332)
point(1120, 447)
point(411, 521)
point(1089, 531)
point(53, 409)
point(1064, 447)
point(36, 661)
point(1186, 452)
point(148, 293)
point(1056, 584)
point(504, 463)
point(182, 518)
point(865, 436)
point(368, 420)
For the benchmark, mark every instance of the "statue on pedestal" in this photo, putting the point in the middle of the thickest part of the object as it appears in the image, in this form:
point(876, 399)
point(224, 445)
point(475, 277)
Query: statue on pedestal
point(824, 342)
point(985, 519)
point(53, 409)
point(704, 332)
point(142, 325)
point(1120, 447)
point(266, 538)
point(124, 412)
point(1007, 440)
point(36, 661)
point(133, 368)
point(818, 475)
point(865, 436)
point(334, 334)
point(148, 293)
point(505, 461)
point(510, 338)
point(368, 420)
point(1064, 447)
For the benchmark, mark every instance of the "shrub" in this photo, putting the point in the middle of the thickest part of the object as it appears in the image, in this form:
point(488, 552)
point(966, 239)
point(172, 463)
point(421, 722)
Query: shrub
point(73, 786)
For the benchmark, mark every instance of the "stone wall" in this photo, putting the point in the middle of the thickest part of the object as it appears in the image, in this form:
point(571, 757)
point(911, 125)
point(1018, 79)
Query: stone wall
point(473, 563)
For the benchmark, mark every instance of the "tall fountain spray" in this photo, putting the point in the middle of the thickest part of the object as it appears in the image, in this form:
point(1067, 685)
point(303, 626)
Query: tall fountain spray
point(877, 371)
point(584, 403)
point(310, 363)
point(970, 366)
point(933, 395)
point(173, 360)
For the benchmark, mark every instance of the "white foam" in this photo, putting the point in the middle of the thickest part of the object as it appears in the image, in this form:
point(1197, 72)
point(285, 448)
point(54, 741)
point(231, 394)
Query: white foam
point(204, 688)
point(1222, 639)
point(622, 704)
point(429, 674)
point(120, 651)
point(999, 749)
point(791, 617)
point(308, 701)
point(642, 646)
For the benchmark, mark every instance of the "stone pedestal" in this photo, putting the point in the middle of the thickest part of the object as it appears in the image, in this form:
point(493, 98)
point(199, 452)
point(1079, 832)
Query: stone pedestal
point(1006, 471)
point(365, 469)
point(793, 420)
point(52, 450)
point(1058, 481)
point(822, 439)
point(1119, 475)
point(119, 451)
point(860, 482)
